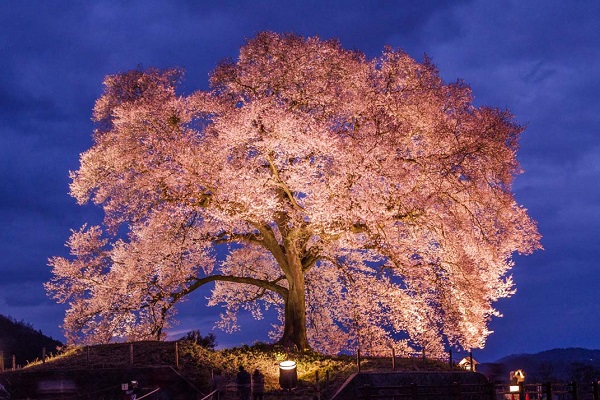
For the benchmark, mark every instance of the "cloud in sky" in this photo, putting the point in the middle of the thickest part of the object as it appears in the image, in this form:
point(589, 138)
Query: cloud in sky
point(540, 59)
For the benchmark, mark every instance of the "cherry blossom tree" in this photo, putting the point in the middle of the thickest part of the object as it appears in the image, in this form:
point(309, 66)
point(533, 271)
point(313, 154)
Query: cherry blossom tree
point(366, 201)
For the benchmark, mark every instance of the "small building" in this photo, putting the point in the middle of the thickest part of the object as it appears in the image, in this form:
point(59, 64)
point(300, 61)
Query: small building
point(465, 364)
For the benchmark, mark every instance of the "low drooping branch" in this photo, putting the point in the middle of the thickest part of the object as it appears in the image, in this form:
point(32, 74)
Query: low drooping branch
point(198, 282)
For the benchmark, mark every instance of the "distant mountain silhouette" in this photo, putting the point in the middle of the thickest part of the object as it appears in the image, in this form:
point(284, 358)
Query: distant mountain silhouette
point(20, 339)
point(570, 364)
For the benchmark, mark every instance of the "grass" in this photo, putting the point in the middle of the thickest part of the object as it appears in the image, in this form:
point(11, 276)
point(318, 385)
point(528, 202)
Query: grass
point(196, 363)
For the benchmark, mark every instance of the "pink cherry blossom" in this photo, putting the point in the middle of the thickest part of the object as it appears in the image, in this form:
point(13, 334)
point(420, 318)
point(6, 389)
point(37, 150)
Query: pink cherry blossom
point(367, 201)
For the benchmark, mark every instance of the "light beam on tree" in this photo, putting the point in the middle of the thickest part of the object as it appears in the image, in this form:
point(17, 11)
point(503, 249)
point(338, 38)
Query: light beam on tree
point(338, 187)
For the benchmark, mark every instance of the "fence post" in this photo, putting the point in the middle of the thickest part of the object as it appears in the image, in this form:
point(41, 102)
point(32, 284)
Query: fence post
point(595, 390)
point(521, 391)
point(471, 361)
point(317, 385)
point(574, 391)
point(177, 355)
point(130, 355)
point(456, 390)
point(393, 359)
point(414, 391)
point(358, 359)
point(548, 390)
point(492, 391)
point(14, 362)
point(366, 391)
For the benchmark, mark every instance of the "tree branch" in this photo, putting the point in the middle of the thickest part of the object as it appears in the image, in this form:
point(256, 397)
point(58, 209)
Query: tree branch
point(282, 185)
point(270, 285)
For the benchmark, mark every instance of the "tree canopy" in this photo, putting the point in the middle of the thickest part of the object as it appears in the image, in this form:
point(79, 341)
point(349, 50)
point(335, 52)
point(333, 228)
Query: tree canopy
point(365, 200)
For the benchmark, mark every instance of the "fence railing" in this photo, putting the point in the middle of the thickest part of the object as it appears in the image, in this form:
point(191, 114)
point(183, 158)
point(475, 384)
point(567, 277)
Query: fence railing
point(451, 358)
point(414, 391)
point(115, 355)
point(462, 391)
point(9, 362)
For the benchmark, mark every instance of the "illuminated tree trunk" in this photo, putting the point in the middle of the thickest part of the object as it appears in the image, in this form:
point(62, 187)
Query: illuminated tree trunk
point(294, 330)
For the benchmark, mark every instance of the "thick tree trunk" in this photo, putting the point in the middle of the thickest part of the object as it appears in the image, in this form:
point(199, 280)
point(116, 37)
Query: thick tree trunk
point(294, 330)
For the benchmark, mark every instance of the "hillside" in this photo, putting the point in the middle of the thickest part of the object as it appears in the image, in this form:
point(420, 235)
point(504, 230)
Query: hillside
point(190, 367)
point(568, 364)
point(23, 341)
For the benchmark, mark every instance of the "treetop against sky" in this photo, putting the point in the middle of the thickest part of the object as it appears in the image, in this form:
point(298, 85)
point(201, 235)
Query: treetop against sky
point(365, 200)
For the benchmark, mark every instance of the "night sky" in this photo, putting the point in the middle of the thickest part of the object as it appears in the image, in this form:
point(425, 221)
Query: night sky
point(539, 59)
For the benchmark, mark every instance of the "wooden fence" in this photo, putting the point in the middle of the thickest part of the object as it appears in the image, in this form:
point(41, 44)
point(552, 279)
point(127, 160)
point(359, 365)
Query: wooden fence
point(113, 355)
point(8, 363)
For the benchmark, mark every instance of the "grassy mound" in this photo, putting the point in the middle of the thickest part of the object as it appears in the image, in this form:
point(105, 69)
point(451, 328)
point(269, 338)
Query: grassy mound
point(197, 364)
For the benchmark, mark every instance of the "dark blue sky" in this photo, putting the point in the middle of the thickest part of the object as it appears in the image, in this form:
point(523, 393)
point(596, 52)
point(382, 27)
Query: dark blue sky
point(540, 59)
